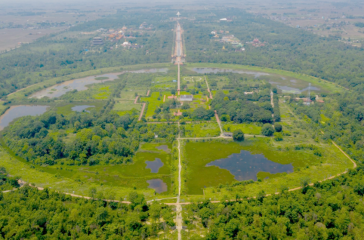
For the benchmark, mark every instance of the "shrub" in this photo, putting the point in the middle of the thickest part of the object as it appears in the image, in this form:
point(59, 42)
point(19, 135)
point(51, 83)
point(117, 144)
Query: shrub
point(278, 127)
point(278, 136)
point(267, 130)
point(238, 135)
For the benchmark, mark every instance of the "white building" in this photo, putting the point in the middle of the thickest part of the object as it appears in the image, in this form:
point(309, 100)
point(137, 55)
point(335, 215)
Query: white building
point(186, 98)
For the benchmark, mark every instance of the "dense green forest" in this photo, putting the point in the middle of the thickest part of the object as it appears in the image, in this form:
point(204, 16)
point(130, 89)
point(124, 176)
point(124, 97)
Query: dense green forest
point(330, 210)
point(98, 137)
point(239, 107)
point(32, 214)
point(7, 182)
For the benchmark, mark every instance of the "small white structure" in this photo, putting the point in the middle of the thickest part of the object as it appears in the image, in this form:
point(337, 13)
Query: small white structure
point(223, 19)
point(213, 32)
point(126, 44)
point(186, 98)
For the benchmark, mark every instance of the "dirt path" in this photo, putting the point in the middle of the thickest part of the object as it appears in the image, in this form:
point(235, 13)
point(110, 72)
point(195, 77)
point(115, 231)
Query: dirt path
point(271, 98)
point(208, 88)
point(218, 122)
point(178, 205)
point(141, 113)
point(179, 80)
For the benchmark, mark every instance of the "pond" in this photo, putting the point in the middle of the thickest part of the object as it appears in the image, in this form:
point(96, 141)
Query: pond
point(245, 166)
point(221, 70)
point(164, 148)
point(81, 108)
point(20, 111)
point(155, 165)
point(158, 185)
point(294, 87)
point(81, 84)
point(285, 84)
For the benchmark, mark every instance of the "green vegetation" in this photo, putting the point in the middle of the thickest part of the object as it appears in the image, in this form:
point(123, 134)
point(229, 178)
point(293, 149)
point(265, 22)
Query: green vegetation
point(251, 128)
point(101, 78)
point(329, 210)
point(313, 161)
point(241, 108)
point(267, 130)
point(204, 129)
point(238, 135)
point(51, 211)
point(7, 182)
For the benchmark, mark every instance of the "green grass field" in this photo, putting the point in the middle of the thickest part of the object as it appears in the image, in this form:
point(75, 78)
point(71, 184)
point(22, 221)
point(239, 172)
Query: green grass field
point(251, 129)
point(206, 129)
point(122, 105)
point(153, 102)
point(102, 92)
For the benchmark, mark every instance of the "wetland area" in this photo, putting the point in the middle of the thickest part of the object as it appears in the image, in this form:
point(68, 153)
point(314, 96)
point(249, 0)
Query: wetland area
point(283, 83)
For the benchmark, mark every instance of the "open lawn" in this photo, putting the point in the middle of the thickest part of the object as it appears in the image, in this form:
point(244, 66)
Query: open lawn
point(205, 129)
point(122, 105)
point(154, 101)
point(164, 83)
point(251, 129)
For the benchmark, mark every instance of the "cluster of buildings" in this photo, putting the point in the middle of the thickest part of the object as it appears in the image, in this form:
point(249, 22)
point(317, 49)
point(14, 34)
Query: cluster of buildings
point(228, 38)
point(115, 35)
point(256, 43)
point(144, 26)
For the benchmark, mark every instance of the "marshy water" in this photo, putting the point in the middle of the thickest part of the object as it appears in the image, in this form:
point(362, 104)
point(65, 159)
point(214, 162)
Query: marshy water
point(20, 111)
point(245, 166)
point(221, 70)
point(81, 84)
point(155, 165)
point(164, 148)
point(285, 84)
point(158, 185)
point(81, 108)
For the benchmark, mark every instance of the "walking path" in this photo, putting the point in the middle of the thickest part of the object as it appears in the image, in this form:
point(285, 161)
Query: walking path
point(218, 122)
point(179, 207)
point(208, 88)
point(141, 113)
point(179, 80)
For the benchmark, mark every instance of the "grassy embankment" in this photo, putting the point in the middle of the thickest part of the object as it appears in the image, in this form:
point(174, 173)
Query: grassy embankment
point(23, 93)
